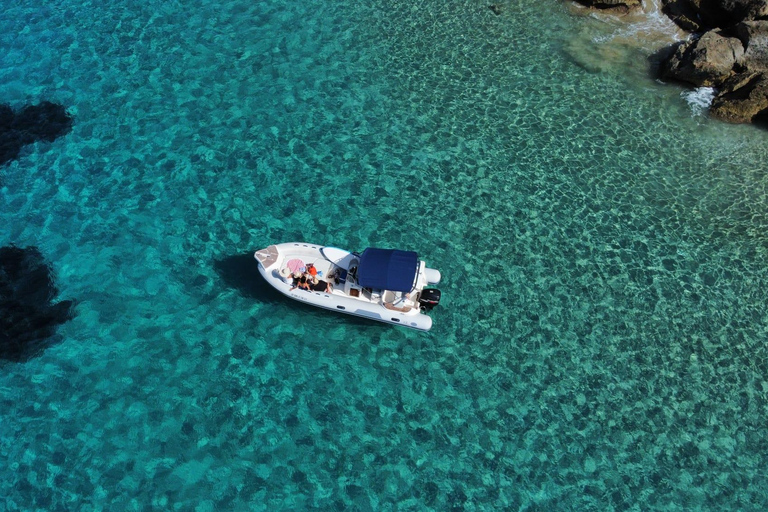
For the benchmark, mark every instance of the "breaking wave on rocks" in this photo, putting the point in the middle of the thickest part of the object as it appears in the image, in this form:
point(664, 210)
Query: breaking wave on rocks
point(699, 99)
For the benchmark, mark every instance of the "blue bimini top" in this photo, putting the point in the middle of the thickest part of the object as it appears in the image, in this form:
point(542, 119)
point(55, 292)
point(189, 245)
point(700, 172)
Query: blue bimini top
point(388, 269)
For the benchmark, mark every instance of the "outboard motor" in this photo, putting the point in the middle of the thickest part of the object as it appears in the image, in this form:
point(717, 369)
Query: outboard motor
point(429, 298)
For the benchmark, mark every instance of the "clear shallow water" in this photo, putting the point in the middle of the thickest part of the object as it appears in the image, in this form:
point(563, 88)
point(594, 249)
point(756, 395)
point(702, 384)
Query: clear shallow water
point(601, 342)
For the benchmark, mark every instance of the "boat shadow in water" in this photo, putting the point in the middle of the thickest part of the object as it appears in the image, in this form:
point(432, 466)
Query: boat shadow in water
point(241, 271)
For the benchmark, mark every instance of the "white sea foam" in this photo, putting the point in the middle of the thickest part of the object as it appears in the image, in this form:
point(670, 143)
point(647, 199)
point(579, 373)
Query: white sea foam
point(647, 29)
point(699, 99)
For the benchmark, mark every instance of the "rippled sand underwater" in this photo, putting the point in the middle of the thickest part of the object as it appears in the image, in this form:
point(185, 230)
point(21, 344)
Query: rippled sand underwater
point(600, 344)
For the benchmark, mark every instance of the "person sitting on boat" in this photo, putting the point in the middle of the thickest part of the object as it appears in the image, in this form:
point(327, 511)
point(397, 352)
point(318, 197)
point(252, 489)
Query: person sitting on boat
point(318, 285)
point(300, 281)
point(286, 274)
point(337, 275)
point(305, 281)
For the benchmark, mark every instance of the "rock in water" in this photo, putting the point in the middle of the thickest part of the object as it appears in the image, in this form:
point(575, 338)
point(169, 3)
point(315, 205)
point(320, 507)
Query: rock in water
point(743, 99)
point(615, 6)
point(703, 15)
point(705, 61)
point(45, 121)
point(28, 318)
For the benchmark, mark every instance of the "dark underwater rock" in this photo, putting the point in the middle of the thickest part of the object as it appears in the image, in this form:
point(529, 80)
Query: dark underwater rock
point(615, 6)
point(28, 318)
point(45, 121)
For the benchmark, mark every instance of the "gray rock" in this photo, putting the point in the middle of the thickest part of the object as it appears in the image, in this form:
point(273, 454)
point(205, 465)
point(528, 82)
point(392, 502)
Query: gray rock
point(706, 61)
point(743, 98)
point(754, 37)
point(702, 15)
point(740, 10)
point(686, 13)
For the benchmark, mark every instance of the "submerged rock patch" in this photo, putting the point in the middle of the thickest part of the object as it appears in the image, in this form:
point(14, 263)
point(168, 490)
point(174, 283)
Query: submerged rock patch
point(46, 121)
point(28, 317)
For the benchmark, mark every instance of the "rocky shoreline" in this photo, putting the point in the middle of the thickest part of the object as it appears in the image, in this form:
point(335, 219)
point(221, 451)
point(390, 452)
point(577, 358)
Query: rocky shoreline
point(727, 50)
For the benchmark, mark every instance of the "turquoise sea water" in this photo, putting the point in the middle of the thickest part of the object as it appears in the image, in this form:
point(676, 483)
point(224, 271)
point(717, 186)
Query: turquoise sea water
point(601, 340)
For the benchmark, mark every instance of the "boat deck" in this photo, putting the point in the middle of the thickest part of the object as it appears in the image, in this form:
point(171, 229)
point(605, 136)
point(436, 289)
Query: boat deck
point(347, 287)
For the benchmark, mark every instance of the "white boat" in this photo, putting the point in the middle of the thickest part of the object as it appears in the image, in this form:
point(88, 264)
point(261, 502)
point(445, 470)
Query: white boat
point(387, 285)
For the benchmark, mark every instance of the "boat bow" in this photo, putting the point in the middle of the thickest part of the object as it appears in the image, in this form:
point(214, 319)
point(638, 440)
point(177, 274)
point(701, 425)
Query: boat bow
point(267, 257)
